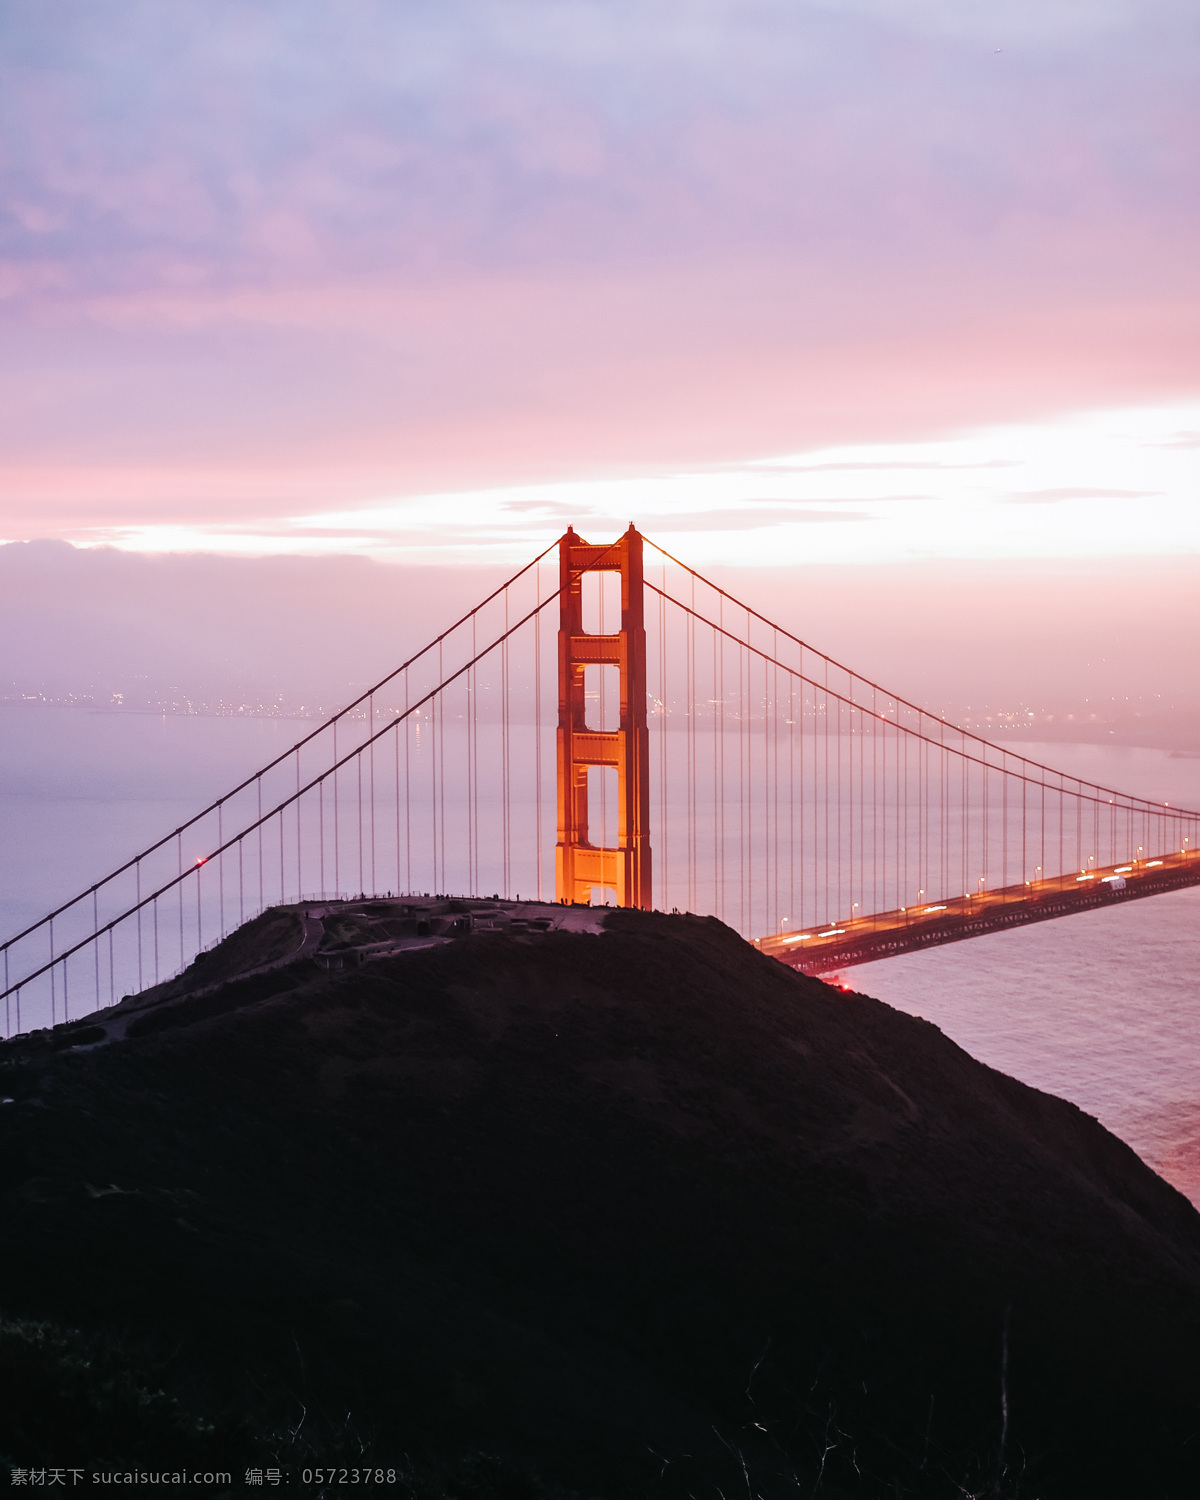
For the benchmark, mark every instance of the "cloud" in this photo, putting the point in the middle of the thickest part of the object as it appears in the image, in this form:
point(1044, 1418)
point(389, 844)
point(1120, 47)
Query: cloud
point(927, 464)
point(551, 509)
point(752, 519)
point(254, 252)
point(270, 145)
point(809, 500)
point(1075, 492)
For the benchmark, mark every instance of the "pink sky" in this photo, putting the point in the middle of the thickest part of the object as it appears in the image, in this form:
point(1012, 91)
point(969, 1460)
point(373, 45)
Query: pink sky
point(305, 258)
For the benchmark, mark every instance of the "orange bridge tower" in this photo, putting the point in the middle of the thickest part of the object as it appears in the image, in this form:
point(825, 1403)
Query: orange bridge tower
point(580, 864)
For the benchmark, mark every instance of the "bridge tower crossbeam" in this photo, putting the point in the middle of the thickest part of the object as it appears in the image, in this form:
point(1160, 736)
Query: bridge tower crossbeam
point(580, 864)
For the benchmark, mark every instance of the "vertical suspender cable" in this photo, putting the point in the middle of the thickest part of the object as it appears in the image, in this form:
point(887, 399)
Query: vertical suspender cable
point(407, 796)
point(337, 843)
point(396, 756)
point(138, 887)
point(943, 792)
point(438, 801)
point(689, 770)
point(771, 763)
point(1003, 817)
point(922, 814)
point(362, 879)
point(825, 903)
point(964, 790)
point(1096, 828)
point(792, 794)
point(745, 791)
point(721, 751)
point(179, 850)
point(862, 830)
point(433, 776)
point(901, 752)
point(815, 779)
point(507, 757)
point(801, 918)
point(220, 872)
point(665, 832)
point(838, 907)
point(469, 723)
point(693, 766)
point(906, 888)
point(300, 836)
point(95, 951)
point(716, 791)
point(221, 868)
point(877, 807)
point(537, 732)
point(371, 775)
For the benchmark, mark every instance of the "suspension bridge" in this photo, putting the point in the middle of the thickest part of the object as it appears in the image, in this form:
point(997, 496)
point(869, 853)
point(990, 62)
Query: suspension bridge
point(609, 726)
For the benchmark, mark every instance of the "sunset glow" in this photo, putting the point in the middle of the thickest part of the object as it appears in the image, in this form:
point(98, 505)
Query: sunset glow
point(1110, 484)
point(421, 281)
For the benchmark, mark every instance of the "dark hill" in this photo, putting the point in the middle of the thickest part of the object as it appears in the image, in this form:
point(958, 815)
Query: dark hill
point(643, 1213)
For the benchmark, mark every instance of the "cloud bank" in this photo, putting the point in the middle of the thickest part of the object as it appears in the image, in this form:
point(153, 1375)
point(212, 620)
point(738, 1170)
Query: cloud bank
point(256, 258)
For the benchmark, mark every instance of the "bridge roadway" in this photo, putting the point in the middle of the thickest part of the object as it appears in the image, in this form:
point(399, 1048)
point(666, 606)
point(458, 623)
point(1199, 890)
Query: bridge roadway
point(861, 940)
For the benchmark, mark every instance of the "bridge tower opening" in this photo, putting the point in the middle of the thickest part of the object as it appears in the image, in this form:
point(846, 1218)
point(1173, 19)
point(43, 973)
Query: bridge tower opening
point(581, 865)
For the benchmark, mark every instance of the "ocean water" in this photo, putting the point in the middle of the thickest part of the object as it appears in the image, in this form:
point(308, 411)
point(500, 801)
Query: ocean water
point(1102, 1008)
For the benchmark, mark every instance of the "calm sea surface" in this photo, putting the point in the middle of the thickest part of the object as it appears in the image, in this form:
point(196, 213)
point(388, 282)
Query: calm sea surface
point(1101, 1008)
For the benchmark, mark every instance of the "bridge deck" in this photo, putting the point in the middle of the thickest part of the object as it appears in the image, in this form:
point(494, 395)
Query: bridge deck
point(839, 945)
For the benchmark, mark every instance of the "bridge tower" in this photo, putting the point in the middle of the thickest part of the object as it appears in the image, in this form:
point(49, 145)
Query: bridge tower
point(579, 864)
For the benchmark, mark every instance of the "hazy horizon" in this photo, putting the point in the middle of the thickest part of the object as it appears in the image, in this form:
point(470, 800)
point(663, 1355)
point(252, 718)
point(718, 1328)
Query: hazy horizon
point(1107, 642)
